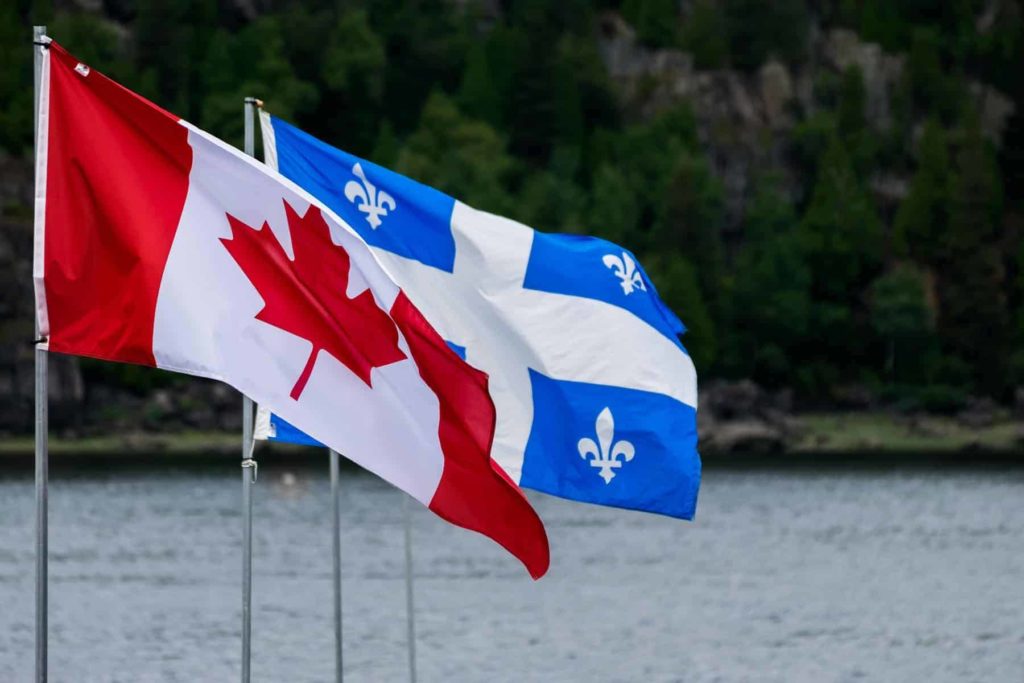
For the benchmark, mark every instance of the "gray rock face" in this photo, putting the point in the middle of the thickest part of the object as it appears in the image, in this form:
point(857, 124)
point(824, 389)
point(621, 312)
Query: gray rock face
point(736, 417)
point(736, 113)
point(777, 92)
point(979, 413)
point(744, 436)
point(841, 48)
point(994, 110)
point(742, 118)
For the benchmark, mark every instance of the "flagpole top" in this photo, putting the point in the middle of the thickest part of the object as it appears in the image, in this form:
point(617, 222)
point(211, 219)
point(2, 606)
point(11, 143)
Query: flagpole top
point(254, 100)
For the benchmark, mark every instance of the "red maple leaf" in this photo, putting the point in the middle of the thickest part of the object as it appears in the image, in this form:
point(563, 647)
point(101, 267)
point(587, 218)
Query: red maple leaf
point(307, 296)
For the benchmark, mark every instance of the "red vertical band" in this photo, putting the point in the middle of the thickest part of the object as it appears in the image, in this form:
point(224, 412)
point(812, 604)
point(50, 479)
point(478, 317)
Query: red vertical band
point(474, 491)
point(116, 181)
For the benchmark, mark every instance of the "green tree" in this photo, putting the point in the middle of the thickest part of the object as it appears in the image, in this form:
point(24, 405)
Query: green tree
point(614, 211)
point(770, 303)
point(353, 73)
point(923, 216)
point(499, 64)
point(851, 116)
point(387, 147)
point(479, 95)
point(932, 90)
point(902, 316)
point(851, 120)
point(458, 155)
point(354, 58)
point(676, 281)
point(974, 319)
point(306, 30)
point(40, 12)
point(656, 21)
point(574, 17)
point(881, 22)
point(758, 30)
point(425, 43)
point(589, 99)
point(704, 35)
point(15, 81)
point(646, 154)
point(810, 139)
point(691, 221)
point(97, 42)
point(171, 38)
point(251, 63)
point(558, 84)
point(567, 101)
point(840, 233)
point(551, 202)
point(999, 51)
point(841, 241)
point(534, 123)
point(1017, 357)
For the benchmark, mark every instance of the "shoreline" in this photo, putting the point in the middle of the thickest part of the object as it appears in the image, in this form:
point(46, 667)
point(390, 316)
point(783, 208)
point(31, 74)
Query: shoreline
point(883, 432)
point(834, 439)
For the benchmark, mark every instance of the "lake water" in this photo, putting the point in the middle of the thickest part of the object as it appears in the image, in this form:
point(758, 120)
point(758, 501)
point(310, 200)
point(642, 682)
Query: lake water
point(905, 575)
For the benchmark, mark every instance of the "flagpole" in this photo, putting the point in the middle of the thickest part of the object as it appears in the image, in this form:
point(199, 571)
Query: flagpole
point(247, 481)
point(336, 519)
point(247, 464)
point(42, 421)
point(410, 610)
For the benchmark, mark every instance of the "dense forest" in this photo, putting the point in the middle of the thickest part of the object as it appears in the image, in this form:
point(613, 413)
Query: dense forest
point(869, 244)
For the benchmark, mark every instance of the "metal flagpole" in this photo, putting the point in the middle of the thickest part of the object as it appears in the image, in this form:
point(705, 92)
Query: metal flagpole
point(336, 514)
point(42, 418)
point(248, 477)
point(410, 609)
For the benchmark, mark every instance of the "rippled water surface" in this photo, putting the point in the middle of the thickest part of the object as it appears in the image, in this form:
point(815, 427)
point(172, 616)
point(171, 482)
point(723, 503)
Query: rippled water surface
point(785, 576)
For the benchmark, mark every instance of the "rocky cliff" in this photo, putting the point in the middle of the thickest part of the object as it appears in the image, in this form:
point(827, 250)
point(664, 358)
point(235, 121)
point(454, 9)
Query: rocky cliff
point(745, 119)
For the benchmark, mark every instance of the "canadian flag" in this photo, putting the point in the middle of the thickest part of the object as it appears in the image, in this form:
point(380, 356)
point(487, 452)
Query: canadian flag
point(157, 244)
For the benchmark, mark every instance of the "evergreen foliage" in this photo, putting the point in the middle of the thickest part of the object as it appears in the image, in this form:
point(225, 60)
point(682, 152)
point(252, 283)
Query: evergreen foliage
point(923, 217)
point(761, 30)
point(15, 82)
point(771, 297)
point(458, 155)
point(704, 35)
point(840, 239)
point(902, 316)
point(676, 281)
point(656, 21)
point(690, 222)
point(974, 318)
point(509, 106)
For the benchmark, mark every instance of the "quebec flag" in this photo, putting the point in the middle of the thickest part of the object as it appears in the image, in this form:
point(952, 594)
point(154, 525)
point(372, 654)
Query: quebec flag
point(595, 395)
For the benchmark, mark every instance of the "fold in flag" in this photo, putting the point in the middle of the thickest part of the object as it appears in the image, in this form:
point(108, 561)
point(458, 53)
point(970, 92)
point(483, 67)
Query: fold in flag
point(160, 245)
point(595, 395)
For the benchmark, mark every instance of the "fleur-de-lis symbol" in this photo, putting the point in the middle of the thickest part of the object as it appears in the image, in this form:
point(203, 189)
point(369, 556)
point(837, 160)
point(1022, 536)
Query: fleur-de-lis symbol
point(606, 451)
point(367, 198)
point(625, 269)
